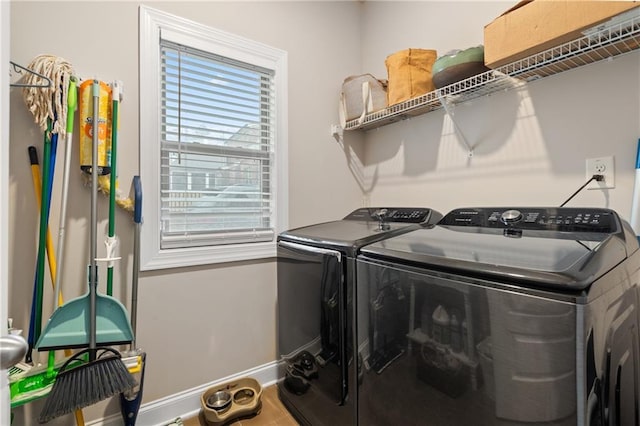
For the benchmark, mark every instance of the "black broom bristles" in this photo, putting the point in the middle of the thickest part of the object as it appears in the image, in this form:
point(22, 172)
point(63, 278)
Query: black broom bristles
point(86, 384)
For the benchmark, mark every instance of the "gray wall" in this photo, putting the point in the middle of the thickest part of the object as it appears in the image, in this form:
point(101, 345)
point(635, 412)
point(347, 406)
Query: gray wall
point(530, 144)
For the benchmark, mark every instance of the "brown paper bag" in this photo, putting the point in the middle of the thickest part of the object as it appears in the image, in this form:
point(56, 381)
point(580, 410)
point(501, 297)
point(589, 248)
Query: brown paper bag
point(409, 73)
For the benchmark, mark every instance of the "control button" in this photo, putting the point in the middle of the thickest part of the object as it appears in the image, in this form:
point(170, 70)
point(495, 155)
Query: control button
point(511, 216)
point(380, 214)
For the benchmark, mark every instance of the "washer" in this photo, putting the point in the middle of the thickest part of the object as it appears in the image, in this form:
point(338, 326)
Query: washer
point(502, 316)
point(316, 277)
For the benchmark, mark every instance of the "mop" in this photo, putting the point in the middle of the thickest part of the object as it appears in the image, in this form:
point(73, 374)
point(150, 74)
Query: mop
point(106, 185)
point(39, 99)
point(52, 107)
point(49, 108)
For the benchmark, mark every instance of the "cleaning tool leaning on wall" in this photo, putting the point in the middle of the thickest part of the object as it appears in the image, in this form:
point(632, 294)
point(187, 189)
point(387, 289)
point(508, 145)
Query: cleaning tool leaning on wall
point(135, 358)
point(81, 382)
point(52, 106)
point(112, 242)
point(107, 140)
point(48, 105)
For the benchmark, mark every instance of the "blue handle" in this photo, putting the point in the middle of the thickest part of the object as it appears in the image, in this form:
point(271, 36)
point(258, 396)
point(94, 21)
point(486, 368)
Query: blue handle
point(137, 200)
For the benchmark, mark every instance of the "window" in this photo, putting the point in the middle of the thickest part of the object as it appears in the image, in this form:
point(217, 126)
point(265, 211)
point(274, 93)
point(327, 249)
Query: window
point(212, 144)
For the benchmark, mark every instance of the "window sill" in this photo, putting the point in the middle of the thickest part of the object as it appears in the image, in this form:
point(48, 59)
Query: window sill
point(198, 256)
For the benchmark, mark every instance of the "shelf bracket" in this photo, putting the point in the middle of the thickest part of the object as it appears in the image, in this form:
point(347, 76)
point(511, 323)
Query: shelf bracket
point(447, 108)
point(337, 132)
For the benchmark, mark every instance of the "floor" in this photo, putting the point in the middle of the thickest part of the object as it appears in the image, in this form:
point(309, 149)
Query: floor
point(273, 413)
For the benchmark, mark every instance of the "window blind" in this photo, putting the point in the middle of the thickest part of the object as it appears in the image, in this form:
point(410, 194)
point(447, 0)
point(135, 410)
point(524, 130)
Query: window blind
point(217, 149)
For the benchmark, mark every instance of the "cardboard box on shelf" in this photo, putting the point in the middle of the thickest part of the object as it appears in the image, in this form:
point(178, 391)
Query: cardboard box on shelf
point(533, 26)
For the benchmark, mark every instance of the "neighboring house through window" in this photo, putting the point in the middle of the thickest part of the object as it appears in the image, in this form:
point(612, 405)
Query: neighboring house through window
point(213, 144)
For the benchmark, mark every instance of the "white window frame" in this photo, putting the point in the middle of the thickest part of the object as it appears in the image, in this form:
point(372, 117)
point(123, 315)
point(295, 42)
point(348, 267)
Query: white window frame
point(202, 37)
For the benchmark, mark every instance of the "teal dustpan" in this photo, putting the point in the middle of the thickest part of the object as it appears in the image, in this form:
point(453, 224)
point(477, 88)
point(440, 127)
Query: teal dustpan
point(69, 326)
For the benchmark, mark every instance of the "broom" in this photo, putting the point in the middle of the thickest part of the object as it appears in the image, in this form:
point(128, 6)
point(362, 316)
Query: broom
point(103, 375)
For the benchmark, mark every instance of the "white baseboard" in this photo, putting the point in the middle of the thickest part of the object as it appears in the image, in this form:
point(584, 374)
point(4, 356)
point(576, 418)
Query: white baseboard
point(187, 403)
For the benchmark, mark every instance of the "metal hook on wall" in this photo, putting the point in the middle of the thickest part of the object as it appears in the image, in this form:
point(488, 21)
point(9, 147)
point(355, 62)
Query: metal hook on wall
point(20, 69)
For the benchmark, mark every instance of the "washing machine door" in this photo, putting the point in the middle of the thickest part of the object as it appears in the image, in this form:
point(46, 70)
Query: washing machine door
point(312, 332)
point(458, 351)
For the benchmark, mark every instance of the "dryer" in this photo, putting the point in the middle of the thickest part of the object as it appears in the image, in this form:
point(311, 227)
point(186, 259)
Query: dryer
point(501, 316)
point(316, 277)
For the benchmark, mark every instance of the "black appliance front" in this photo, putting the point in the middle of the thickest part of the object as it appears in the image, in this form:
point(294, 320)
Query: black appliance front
point(316, 275)
point(501, 317)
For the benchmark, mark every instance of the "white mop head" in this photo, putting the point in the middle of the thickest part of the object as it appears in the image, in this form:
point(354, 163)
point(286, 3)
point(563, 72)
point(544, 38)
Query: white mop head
point(49, 102)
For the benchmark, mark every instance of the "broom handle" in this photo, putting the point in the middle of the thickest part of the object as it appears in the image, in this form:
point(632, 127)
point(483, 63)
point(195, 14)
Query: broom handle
point(37, 186)
point(115, 93)
point(93, 273)
point(39, 284)
point(137, 218)
point(72, 100)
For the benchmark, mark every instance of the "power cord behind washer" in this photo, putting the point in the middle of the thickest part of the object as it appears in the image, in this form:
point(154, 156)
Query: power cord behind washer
point(597, 178)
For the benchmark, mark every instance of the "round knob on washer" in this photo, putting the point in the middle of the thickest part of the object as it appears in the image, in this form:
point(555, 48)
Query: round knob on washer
point(380, 214)
point(511, 216)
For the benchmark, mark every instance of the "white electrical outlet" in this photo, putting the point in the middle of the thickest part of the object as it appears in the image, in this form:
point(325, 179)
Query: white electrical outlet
point(601, 166)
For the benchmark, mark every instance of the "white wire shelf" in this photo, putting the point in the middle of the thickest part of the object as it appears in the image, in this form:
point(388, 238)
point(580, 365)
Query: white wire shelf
point(599, 44)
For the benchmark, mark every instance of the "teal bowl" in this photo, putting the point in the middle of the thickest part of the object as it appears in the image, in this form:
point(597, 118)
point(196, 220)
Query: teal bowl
point(458, 65)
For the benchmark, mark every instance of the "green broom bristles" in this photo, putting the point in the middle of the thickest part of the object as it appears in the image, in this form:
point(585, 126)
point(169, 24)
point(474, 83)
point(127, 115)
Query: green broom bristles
point(87, 384)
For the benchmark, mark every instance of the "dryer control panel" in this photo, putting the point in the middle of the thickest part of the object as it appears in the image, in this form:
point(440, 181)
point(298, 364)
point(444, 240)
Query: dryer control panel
point(564, 219)
point(391, 214)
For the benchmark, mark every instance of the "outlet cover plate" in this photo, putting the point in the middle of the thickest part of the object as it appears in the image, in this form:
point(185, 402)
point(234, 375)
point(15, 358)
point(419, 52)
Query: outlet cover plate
point(603, 166)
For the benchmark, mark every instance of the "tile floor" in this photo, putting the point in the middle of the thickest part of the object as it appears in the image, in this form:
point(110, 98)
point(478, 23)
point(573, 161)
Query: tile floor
point(273, 413)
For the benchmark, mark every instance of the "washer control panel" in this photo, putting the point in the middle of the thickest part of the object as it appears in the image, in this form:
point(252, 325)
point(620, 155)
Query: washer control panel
point(564, 219)
point(391, 214)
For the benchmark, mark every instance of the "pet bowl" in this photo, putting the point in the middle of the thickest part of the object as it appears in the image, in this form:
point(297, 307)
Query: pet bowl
point(242, 399)
point(243, 396)
point(219, 401)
